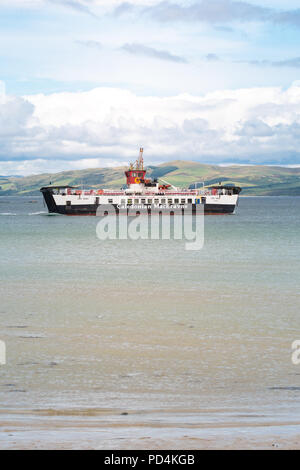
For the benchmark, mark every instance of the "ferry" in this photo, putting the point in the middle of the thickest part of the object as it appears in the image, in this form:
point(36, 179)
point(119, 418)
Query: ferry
point(141, 195)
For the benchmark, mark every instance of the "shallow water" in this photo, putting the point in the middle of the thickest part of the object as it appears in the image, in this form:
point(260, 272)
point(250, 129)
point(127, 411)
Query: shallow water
point(146, 327)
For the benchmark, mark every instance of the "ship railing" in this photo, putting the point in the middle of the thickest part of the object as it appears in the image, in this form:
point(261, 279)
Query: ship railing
point(212, 192)
point(88, 192)
point(113, 192)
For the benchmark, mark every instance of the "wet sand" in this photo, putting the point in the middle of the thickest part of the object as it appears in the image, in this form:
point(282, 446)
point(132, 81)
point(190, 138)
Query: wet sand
point(91, 429)
point(145, 345)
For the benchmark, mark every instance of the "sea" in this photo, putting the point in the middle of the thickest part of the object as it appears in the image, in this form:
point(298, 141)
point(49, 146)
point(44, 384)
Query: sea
point(144, 344)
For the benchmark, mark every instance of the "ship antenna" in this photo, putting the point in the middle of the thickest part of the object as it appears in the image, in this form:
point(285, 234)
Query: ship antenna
point(141, 160)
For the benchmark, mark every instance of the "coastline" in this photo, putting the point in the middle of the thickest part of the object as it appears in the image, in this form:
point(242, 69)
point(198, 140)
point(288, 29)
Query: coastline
point(207, 366)
point(93, 429)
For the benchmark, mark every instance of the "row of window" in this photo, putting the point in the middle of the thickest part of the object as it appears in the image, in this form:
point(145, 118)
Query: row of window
point(154, 201)
point(139, 174)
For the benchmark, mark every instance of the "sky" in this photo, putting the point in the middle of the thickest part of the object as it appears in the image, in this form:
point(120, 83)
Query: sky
point(85, 83)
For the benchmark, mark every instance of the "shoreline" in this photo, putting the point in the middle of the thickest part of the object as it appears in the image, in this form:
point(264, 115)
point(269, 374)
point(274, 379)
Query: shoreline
point(111, 430)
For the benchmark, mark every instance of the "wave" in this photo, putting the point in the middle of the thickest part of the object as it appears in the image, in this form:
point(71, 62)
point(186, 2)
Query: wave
point(22, 214)
point(38, 213)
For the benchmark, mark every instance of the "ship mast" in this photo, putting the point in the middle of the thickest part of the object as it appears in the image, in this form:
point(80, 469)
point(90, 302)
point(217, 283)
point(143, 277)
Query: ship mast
point(140, 160)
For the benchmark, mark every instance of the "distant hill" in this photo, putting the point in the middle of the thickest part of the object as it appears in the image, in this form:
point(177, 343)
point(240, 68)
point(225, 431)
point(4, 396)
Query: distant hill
point(254, 180)
point(10, 176)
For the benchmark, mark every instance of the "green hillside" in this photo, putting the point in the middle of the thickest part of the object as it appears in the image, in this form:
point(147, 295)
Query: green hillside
point(254, 180)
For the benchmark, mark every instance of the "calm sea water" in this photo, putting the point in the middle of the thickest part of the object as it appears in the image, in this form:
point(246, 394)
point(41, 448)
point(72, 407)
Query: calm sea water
point(138, 326)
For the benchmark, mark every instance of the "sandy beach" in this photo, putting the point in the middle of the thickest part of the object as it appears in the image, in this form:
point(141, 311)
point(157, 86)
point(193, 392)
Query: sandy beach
point(92, 429)
point(108, 347)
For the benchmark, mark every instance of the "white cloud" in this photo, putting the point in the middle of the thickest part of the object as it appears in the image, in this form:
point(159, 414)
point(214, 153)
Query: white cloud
point(106, 126)
point(141, 49)
point(70, 3)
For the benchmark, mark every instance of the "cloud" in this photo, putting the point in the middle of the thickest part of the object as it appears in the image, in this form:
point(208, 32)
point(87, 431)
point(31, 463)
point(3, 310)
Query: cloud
point(212, 57)
point(224, 29)
point(124, 8)
point(210, 11)
point(255, 128)
point(140, 49)
point(293, 62)
point(14, 116)
point(74, 5)
point(17, 130)
point(217, 12)
point(291, 18)
point(90, 43)
point(106, 126)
